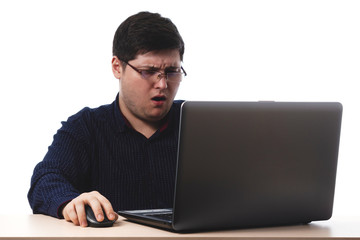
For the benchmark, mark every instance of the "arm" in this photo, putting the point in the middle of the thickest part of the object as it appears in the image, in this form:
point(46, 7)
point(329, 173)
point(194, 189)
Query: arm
point(61, 182)
point(61, 175)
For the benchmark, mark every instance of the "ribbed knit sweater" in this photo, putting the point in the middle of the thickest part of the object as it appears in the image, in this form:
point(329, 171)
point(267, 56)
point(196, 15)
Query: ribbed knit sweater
point(96, 149)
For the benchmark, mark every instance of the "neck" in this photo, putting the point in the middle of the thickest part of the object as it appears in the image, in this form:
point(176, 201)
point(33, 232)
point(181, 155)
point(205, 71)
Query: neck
point(146, 128)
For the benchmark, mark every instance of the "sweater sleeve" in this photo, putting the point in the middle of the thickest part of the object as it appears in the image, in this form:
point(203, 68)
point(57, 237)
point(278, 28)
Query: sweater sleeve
point(62, 175)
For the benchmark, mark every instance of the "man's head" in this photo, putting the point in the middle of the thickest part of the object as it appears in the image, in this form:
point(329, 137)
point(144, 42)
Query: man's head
point(147, 55)
point(145, 32)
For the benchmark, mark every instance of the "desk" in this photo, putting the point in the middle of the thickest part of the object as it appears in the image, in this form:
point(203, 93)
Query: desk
point(41, 226)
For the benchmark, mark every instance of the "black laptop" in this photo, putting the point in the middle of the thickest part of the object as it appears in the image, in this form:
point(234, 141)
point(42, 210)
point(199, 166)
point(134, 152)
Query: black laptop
point(251, 164)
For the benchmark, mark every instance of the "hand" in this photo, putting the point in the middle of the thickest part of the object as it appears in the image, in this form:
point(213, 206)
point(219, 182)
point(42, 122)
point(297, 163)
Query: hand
point(74, 211)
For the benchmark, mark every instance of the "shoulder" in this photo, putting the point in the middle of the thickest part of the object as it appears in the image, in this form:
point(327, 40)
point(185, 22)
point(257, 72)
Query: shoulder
point(91, 114)
point(177, 104)
point(176, 107)
point(174, 113)
point(89, 118)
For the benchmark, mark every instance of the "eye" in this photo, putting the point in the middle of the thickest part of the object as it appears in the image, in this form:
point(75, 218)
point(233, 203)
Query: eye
point(173, 74)
point(173, 71)
point(148, 73)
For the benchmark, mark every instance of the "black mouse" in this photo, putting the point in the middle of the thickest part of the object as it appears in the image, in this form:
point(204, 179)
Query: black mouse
point(91, 219)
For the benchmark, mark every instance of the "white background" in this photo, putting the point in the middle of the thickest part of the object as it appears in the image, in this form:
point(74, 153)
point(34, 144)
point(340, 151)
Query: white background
point(55, 59)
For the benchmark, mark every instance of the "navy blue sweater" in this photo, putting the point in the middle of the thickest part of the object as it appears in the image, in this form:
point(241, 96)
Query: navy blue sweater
point(96, 149)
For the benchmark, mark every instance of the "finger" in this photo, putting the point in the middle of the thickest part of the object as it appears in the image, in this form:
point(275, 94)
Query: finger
point(65, 215)
point(71, 213)
point(81, 214)
point(113, 216)
point(107, 208)
point(97, 209)
point(110, 213)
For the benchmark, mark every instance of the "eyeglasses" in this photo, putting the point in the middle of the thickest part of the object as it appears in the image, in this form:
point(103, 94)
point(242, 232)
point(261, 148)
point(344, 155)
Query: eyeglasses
point(171, 74)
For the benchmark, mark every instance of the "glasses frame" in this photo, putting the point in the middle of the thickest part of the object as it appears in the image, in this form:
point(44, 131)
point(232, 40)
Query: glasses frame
point(159, 76)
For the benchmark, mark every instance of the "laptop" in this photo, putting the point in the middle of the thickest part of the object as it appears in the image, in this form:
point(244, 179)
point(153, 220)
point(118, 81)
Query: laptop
point(251, 164)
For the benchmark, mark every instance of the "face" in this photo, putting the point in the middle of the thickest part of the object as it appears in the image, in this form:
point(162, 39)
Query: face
point(139, 98)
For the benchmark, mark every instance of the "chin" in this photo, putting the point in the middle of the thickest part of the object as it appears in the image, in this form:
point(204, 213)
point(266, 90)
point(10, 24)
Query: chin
point(159, 115)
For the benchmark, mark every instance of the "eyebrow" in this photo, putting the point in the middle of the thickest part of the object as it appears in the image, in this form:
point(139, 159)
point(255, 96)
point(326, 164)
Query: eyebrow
point(156, 68)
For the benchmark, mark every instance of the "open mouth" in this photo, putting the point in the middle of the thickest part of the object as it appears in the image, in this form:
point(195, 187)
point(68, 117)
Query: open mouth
point(159, 98)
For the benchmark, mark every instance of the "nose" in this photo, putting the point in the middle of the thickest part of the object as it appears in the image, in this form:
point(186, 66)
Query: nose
point(161, 82)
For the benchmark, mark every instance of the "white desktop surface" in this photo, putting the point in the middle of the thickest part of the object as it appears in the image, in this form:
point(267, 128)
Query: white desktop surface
point(41, 226)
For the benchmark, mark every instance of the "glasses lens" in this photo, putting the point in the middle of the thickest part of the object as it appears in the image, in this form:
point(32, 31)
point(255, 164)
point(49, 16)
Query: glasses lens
point(149, 74)
point(156, 75)
point(174, 76)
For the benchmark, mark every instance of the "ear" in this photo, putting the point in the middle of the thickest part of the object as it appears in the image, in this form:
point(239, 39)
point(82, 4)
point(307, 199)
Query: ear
point(116, 67)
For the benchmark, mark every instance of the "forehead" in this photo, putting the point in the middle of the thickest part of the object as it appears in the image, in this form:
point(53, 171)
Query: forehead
point(160, 57)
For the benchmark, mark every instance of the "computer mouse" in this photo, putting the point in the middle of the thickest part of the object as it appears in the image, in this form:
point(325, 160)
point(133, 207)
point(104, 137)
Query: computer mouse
point(91, 219)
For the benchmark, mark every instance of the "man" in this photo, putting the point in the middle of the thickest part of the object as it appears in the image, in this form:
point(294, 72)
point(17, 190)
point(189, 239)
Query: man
point(121, 155)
